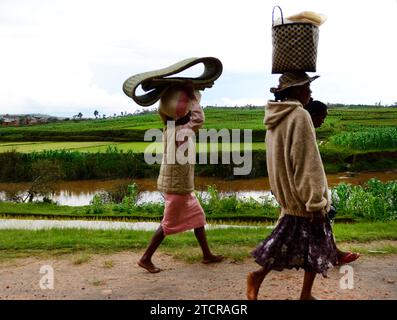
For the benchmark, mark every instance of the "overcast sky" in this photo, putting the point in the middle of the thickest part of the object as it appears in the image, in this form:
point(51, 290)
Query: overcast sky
point(61, 57)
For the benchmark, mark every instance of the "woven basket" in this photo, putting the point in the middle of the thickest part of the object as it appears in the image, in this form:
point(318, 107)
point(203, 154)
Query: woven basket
point(294, 46)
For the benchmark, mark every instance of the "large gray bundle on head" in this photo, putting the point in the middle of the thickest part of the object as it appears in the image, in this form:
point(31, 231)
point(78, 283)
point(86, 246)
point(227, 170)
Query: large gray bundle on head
point(156, 82)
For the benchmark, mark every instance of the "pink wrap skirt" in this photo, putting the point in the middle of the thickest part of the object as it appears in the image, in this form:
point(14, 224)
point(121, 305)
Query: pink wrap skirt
point(182, 212)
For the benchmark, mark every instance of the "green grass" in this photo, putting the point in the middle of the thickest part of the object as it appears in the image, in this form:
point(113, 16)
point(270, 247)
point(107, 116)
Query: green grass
point(367, 139)
point(101, 146)
point(373, 201)
point(35, 146)
point(376, 248)
point(144, 121)
point(232, 118)
point(366, 231)
point(132, 128)
point(48, 211)
point(234, 243)
point(112, 148)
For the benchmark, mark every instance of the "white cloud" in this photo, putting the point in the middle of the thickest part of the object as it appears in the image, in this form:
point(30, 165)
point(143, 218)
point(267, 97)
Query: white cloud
point(239, 102)
point(68, 56)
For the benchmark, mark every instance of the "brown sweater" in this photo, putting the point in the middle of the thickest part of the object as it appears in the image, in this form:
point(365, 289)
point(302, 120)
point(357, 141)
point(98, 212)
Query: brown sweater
point(296, 172)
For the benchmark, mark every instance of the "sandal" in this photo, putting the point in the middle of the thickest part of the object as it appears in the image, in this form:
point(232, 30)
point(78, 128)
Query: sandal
point(347, 257)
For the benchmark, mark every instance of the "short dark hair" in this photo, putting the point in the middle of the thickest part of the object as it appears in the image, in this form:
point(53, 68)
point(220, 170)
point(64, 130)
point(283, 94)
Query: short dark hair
point(316, 107)
point(282, 95)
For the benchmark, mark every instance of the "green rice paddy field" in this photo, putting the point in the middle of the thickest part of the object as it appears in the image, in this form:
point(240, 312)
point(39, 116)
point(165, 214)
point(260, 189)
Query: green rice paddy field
point(349, 128)
point(101, 146)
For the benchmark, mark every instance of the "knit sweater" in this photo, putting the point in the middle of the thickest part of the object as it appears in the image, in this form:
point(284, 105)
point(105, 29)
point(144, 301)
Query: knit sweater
point(175, 177)
point(295, 168)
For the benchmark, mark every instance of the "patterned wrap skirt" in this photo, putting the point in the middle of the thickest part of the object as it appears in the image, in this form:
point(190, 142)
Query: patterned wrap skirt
point(182, 212)
point(297, 243)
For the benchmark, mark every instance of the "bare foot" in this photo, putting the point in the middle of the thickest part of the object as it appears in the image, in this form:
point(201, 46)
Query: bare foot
point(252, 287)
point(213, 259)
point(149, 266)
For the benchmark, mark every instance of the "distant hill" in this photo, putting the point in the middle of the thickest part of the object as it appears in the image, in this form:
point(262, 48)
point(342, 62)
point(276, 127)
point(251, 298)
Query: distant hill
point(18, 120)
point(35, 115)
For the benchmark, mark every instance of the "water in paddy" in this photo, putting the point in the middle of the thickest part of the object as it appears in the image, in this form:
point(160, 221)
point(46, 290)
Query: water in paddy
point(79, 193)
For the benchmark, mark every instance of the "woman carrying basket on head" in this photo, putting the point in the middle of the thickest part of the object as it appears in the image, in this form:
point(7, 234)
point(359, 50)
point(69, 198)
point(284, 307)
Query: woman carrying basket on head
point(303, 236)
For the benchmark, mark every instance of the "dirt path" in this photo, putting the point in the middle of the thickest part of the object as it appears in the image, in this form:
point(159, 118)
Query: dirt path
point(117, 276)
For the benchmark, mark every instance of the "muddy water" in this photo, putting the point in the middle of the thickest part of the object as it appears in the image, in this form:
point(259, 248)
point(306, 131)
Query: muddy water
point(77, 193)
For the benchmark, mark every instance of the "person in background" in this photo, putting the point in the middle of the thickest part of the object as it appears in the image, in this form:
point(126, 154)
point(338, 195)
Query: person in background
point(181, 106)
point(318, 112)
point(303, 235)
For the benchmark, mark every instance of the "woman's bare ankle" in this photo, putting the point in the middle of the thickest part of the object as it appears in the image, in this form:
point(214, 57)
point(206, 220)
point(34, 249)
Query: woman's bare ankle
point(259, 275)
point(307, 297)
point(253, 284)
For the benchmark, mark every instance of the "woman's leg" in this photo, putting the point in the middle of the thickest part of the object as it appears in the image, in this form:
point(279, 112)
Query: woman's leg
point(146, 259)
point(208, 257)
point(254, 281)
point(308, 281)
point(344, 257)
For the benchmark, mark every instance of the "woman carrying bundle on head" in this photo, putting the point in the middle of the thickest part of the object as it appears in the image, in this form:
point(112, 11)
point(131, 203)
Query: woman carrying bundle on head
point(181, 113)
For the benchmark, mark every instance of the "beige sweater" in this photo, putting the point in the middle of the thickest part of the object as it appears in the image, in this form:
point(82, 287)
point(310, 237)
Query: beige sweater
point(296, 172)
point(175, 177)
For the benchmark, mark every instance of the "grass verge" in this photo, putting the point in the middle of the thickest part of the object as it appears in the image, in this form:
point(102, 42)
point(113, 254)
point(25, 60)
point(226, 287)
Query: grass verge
point(235, 243)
